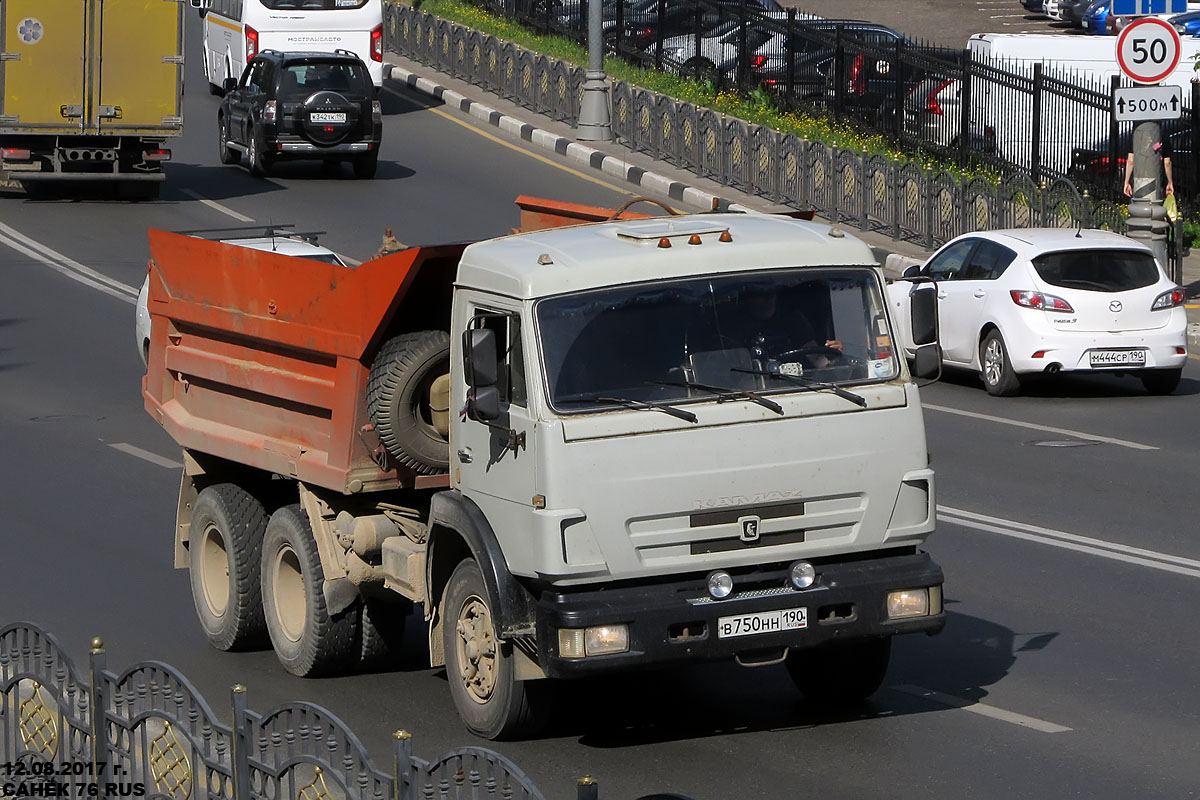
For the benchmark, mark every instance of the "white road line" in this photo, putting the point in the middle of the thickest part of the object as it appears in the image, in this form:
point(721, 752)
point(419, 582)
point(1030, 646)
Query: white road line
point(1034, 426)
point(1071, 541)
point(146, 455)
point(213, 204)
point(983, 709)
point(105, 286)
point(63, 261)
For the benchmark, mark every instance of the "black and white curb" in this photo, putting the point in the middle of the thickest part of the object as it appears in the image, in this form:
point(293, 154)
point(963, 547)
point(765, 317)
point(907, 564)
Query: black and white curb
point(588, 156)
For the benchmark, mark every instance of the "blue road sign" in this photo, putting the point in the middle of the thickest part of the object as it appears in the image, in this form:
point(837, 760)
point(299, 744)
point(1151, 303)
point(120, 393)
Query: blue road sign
point(1133, 8)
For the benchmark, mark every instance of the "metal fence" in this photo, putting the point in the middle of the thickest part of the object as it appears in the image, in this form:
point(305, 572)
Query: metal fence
point(148, 732)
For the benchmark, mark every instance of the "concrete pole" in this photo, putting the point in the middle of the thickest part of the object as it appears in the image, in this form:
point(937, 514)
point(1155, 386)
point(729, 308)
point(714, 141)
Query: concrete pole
point(595, 113)
point(1147, 216)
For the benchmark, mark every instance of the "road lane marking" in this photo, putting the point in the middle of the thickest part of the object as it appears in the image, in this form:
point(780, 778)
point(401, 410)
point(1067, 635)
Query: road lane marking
point(1071, 541)
point(509, 145)
point(146, 455)
point(66, 266)
point(983, 709)
point(213, 204)
point(1091, 437)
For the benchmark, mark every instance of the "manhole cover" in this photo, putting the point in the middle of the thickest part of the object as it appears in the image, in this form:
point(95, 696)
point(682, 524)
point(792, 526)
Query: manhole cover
point(1062, 443)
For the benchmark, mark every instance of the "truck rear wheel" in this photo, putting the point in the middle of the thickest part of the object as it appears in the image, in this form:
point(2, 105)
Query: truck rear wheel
point(225, 552)
point(841, 674)
point(307, 640)
point(382, 632)
point(398, 399)
point(480, 667)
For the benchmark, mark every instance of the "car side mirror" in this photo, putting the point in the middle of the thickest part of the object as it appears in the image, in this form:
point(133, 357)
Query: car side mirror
point(923, 314)
point(928, 362)
point(229, 84)
point(479, 357)
point(913, 271)
point(483, 403)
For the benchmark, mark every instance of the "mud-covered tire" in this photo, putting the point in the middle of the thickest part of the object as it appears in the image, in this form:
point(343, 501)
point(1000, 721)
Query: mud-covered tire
point(381, 632)
point(840, 675)
point(398, 399)
point(225, 548)
point(481, 669)
point(307, 640)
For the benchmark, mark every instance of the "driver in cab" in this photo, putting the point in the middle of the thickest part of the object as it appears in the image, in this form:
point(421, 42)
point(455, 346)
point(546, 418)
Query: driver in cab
point(781, 339)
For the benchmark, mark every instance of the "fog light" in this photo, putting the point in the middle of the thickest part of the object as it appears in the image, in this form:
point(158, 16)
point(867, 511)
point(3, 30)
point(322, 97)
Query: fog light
point(606, 639)
point(803, 574)
point(908, 603)
point(570, 643)
point(720, 584)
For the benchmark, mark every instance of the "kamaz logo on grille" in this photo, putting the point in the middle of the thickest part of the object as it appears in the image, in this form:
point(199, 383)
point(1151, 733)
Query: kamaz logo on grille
point(750, 526)
point(748, 500)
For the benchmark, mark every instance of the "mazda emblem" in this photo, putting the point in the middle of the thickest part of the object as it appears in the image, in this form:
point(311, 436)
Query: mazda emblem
point(1115, 306)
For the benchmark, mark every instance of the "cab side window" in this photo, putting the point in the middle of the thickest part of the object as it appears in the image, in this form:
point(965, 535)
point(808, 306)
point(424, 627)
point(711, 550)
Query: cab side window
point(252, 77)
point(947, 264)
point(511, 357)
point(988, 262)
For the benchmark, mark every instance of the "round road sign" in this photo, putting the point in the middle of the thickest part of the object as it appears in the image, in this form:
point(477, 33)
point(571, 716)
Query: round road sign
point(1148, 50)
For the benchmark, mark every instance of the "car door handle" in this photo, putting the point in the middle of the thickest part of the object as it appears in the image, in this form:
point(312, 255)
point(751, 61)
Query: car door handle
point(941, 295)
point(464, 455)
point(980, 293)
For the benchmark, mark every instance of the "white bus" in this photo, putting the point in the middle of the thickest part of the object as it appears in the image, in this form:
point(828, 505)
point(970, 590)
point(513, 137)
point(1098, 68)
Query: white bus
point(236, 30)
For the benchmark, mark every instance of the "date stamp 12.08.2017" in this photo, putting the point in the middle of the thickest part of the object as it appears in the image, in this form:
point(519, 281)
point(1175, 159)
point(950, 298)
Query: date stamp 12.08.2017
point(70, 779)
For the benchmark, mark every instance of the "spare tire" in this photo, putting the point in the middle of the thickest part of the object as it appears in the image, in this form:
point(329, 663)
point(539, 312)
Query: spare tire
point(326, 118)
point(398, 399)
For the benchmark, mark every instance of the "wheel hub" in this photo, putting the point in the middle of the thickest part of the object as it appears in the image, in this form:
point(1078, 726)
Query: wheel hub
point(215, 570)
point(476, 644)
point(993, 362)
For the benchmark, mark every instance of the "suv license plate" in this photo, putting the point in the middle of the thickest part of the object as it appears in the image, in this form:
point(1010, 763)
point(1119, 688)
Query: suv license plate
point(322, 116)
point(1118, 358)
point(785, 619)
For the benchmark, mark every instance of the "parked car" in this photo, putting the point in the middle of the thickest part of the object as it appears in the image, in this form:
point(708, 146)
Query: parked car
point(301, 106)
point(1095, 18)
point(1072, 11)
point(1053, 10)
point(642, 23)
point(1092, 165)
point(720, 46)
point(276, 239)
point(1046, 300)
point(1033, 6)
point(1187, 24)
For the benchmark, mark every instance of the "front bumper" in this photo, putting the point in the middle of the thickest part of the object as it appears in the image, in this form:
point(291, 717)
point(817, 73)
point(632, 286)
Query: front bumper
point(677, 621)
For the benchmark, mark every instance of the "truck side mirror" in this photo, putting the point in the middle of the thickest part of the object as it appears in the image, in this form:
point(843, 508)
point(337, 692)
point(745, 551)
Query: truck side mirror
point(928, 362)
point(923, 314)
point(483, 403)
point(479, 357)
point(229, 84)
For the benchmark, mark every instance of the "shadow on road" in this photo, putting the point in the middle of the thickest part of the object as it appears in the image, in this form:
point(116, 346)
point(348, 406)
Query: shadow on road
point(396, 99)
point(721, 699)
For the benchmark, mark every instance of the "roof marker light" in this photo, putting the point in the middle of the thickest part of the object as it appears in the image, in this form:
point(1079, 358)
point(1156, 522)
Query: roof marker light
point(725, 236)
point(545, 260)
point(694, 239)
point(664, 242)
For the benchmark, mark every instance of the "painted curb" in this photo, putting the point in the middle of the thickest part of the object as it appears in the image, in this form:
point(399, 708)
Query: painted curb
point(588, 156)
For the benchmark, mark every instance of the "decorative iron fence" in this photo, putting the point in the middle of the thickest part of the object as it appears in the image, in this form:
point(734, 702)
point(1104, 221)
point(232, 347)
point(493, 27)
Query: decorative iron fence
point(148, 732)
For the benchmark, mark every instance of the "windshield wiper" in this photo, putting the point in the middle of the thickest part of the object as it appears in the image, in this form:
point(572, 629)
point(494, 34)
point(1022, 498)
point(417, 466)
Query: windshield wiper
point(686, 416)
point(808, 384)
point(724, 394)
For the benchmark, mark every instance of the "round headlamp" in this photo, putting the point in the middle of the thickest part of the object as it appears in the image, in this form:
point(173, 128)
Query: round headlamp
point(720, 584)
point(802, 574)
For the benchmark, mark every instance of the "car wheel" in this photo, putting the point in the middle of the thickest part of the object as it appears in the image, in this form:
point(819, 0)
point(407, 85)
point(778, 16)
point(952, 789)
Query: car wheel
point(1161, 381)
point(995, 368)
point(226, 155)
point(365, 168)
point(258, 162)
point(699, 68)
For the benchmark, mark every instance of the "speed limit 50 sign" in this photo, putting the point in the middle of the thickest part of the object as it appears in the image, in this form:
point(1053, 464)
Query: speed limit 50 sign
point(1148, 50)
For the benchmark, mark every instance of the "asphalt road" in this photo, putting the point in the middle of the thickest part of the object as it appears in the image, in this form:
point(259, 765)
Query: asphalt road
point(1066, 669)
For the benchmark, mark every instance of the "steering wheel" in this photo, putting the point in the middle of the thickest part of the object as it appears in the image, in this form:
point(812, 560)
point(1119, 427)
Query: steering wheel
point(810, 350)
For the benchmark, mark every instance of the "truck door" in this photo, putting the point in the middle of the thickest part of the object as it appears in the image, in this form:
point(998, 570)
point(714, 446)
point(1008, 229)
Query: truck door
point(42, 59)
point(140, 83)
point(496, 461)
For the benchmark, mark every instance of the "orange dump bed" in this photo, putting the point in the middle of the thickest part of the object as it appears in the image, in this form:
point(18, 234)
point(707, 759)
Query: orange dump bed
point(263, 359)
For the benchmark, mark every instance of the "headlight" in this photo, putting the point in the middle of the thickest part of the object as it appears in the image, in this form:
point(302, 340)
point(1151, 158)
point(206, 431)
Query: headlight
point(802, 574)
point(720, 584)
point(594, 641)
point(908, 603)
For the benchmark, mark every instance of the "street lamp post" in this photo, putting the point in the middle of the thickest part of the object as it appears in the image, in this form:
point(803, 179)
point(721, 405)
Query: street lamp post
point(595, 115)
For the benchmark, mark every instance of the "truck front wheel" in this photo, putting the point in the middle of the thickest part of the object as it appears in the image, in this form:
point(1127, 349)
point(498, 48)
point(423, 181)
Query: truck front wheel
point(307, 640)
point(225, 548)
point(841, 674)
point(480, 667)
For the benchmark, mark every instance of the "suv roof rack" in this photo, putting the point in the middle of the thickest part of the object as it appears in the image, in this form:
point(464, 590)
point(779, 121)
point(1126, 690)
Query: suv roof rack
point(341, 51)
point(254, 232)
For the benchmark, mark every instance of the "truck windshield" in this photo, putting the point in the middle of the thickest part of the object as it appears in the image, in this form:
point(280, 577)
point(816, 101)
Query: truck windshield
point(743, 332)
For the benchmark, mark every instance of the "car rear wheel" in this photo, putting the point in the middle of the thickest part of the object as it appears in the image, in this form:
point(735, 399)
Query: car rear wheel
point(1161, 381)
point(227, 155)
point(258, 162)
point(365, 168)
point(995, 368)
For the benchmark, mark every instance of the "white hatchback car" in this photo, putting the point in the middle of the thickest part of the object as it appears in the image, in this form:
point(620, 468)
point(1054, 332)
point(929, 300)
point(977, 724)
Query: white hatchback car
point(286, 242)
point(1047, 300)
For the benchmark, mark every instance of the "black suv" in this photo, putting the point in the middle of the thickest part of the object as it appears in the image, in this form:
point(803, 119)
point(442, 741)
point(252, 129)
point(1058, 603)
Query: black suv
point(301, 106)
